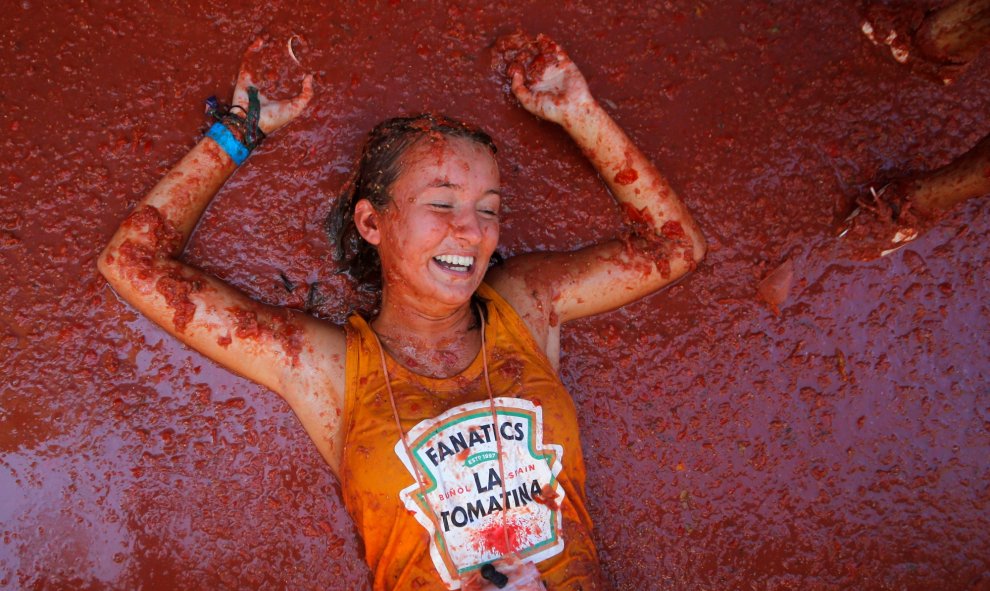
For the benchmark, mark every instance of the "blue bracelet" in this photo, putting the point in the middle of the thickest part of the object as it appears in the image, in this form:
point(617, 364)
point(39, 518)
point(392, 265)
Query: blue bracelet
point(228, 143)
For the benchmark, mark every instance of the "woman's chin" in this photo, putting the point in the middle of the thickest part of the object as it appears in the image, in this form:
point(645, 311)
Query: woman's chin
point(455, 283)
point(456, 295)
point(438, 288)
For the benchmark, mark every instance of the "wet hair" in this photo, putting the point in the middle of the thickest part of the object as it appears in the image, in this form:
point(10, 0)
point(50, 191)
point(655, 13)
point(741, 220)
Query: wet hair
point(379, 166)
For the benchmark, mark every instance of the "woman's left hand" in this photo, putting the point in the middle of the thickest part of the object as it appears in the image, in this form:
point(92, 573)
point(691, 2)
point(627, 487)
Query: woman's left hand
point(544, 79)
point(274, 114)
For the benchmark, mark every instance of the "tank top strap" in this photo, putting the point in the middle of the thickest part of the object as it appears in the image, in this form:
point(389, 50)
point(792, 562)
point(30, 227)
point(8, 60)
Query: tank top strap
point(509, 329)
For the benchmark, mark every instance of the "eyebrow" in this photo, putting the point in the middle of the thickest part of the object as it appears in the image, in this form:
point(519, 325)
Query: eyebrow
point(443, 184)
point(440, 183)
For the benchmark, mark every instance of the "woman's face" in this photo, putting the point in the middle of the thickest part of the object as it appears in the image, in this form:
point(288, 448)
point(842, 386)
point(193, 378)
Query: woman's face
point(440, 229)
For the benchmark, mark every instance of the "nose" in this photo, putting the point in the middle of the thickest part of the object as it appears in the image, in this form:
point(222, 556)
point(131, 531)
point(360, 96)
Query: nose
point(467, 227)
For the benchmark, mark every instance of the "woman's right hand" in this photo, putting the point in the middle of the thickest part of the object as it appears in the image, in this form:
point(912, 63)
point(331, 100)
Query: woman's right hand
point(274, 114)
point(544, 79)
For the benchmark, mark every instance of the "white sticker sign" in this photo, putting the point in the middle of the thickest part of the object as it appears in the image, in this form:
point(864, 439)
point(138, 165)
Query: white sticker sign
point(480, 517)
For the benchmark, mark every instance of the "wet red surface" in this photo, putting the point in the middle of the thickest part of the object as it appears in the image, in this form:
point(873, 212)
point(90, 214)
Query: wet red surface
point(841, 444)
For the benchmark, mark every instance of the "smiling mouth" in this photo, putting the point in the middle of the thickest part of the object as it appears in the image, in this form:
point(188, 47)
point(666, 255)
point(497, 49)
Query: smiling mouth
point(460, 264)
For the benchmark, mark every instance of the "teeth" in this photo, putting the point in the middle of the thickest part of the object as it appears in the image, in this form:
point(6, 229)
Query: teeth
point(459, 261)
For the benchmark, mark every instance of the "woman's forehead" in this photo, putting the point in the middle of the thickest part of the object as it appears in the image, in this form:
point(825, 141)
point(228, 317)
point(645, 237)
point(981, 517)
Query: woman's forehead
point(452, 160)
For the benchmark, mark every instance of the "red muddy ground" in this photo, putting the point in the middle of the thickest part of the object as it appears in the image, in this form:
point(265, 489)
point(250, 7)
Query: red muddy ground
point(840, 445)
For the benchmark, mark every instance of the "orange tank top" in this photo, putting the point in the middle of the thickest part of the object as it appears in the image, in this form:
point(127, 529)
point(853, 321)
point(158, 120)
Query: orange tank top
point(466, 516)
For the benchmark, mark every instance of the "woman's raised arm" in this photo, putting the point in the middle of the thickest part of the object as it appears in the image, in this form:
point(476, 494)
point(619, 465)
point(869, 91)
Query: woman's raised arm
point(289, 352)
point(664, 242)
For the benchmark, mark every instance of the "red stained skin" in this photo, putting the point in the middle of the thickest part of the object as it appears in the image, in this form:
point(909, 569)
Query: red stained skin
point(673, 230)
point(639, 219)
point(137, 260)
point(626, 176)
point(277, 326)
point(670, 242)
point(516, 52)
point(176, 289)
point(163, 239)
point(148, 255)
point(158, 241)
point(245, 323)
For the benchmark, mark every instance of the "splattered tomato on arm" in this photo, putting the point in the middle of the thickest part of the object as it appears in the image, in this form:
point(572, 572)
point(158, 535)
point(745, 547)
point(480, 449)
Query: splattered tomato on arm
point(287, 351)
point(662, 241)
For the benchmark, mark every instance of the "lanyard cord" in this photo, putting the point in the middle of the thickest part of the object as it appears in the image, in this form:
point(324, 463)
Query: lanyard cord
point(498, 435)
point(420, 477)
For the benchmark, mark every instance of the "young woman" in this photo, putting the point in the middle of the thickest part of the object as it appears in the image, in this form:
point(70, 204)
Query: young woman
point(443, 417)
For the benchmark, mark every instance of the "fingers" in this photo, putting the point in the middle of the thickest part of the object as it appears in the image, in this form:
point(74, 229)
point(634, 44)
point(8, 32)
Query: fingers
point(278, 113)
point(519, 87)
point(548, 47)
point(244, 80)
point(244, 75)
point(299, 103)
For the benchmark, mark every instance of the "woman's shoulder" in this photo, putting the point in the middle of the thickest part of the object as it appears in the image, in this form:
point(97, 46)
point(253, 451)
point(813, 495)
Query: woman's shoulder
point(322, 348)
point(526, 302)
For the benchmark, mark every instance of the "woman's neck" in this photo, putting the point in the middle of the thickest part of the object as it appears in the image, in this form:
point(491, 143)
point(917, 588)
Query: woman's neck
point(435, 343)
